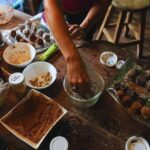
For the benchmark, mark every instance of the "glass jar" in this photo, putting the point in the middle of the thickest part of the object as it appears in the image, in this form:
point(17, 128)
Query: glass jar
point(18, 85)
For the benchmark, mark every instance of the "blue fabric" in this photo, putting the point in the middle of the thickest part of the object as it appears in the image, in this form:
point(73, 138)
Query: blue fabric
point(18, 4)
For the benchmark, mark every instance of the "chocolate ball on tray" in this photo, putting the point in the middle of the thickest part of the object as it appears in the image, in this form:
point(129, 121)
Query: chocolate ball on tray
point(13, 33)
point(18, 38)
point(141, 79)
point(40, 42)
point(26, 32)
point(127, 100)
point(120, 93)
point(21, 27)
point(46, 37)
point(136, 107)
point(40, 32)
point(131, 93)
point(145, 112)
point(33, 37)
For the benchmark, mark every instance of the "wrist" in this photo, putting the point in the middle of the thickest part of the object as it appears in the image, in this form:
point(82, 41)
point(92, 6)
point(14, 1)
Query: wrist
point(72, 58)
point(71, 54)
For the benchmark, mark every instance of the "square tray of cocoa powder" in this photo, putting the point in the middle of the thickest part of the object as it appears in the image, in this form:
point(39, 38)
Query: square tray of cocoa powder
point(33, 118)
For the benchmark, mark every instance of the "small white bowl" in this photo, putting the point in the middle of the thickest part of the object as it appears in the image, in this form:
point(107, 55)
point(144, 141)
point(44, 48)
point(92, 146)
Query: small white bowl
point(137, 143)
point(108, 58)
point(37, 69)
point(19, 48)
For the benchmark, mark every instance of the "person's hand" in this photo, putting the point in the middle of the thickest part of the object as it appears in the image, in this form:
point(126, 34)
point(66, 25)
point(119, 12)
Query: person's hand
point(77, 75)
point(76, 31)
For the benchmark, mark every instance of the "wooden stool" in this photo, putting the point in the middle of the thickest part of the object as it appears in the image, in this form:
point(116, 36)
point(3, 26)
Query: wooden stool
point(124, 22)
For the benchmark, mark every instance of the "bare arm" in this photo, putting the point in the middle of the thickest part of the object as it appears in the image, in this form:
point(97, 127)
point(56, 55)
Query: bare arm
point(75, 70)
point(95, 14)
point(55, 20)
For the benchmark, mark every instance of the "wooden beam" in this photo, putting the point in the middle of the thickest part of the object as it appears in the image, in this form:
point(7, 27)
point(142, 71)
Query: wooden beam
point(104, 23)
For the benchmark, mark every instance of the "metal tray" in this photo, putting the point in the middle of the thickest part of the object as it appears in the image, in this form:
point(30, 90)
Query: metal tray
point(10, 40)
point(111, 90)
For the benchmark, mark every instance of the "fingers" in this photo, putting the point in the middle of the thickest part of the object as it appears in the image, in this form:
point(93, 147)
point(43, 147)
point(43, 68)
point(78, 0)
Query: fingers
point(76, 31)
point(73, 27)
point(80, 84)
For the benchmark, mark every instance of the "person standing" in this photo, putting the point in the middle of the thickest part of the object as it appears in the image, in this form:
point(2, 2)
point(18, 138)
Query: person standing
point(81, 15)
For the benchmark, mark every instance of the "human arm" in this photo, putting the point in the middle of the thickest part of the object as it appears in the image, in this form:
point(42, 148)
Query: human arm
point(93, 17)
point(75, 69)
point(95, 13)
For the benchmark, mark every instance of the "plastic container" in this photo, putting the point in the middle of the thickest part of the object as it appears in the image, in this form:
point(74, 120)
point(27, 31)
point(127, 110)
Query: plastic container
point(137, 143)
point(17, 82)
point(59, 143)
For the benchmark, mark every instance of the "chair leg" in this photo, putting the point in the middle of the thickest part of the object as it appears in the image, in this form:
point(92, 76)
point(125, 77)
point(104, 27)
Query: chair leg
point(104, 23)
point(120, 25)
point(142, 33)
point(128, 21)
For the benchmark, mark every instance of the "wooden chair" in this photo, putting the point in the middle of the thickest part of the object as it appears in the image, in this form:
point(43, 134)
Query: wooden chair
point(123, 27)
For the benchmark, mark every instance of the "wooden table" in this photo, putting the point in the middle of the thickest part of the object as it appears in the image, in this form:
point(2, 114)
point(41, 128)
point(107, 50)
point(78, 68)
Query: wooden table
point(104, 126)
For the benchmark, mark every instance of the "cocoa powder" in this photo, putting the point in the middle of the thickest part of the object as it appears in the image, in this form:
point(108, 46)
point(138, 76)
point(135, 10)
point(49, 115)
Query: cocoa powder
point(34, 117)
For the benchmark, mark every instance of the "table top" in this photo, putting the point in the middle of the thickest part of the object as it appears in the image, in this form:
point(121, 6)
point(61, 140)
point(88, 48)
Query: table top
point(103, 126)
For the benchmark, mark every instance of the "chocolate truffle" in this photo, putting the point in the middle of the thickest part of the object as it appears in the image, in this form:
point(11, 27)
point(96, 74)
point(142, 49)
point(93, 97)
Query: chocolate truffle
point(40, 32)
point(46, 37)
point(13, 33)
point(40, 42)
point(18, 37)
point(26, 32)
point(33, 37)
point(21, 27)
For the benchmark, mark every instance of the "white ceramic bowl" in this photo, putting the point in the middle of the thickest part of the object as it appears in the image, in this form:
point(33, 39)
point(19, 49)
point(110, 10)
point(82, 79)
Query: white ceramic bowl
point(17, 49)
point(37, 69)
point(137, 143)
point(108, 58)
